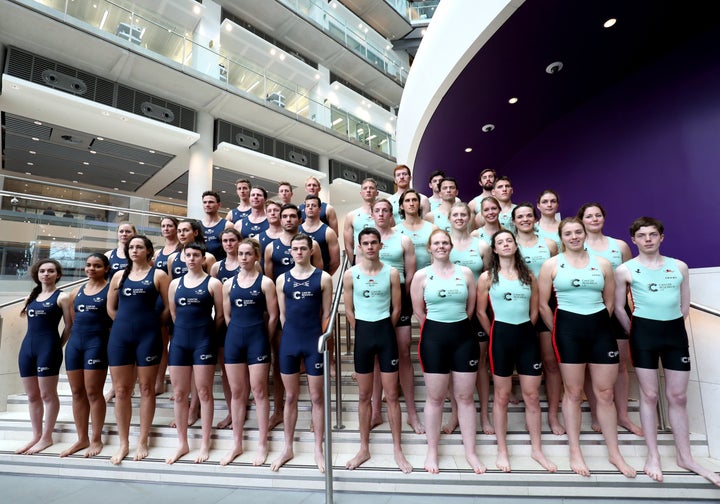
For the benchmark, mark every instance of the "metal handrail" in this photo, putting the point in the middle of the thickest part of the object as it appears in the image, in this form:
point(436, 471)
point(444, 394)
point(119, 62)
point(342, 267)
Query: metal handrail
point(705, 308)
point(323, 348)
point(22, 299)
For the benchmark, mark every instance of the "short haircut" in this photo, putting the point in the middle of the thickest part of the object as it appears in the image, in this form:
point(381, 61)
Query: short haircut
point(313, 197)
point(502, 179)
point(448, 179)
point(213, 194)
point(303, 237)
point(524, 204)
point(243, 181)
point(402, 167)
point(646, 222)
point(369, 179)
point(382, 200)
point(485, 171)
point(291, 206)
point(263, 190)
point(401, 211)
point(369, 231)
point(196, 246)
point(285, 183)
point(436, 173)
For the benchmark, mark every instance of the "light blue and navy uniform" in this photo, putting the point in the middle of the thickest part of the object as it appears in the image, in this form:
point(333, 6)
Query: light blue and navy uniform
point(41, 351)
point(446, 339)
point(319, 235)
point(658, 330)
point(303, 324)
point(419, 239)
point(193, 342)
point(513, 341)
point(247, 340)
point(238, 215)
point(135, 334)
point(393, 254)
point(374, 333)
point(87, 346)
point(582, 332)
point(252, 229)
point(213, 238)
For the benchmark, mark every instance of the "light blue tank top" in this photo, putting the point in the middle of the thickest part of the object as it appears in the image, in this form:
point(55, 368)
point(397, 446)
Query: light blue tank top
point(361, 220)
point(510, 300)
point(395, 202)
point(536, 255)
point(469, 257)
point(446, 298)
point(419, 239)
point(486, 237)
point(579, 290)
point(656, 292)
point(442, 220)
point(393, 255)
point(550, 236)
point(505, 220)
point(612, 253)
point(434, 203)
point(371, 294)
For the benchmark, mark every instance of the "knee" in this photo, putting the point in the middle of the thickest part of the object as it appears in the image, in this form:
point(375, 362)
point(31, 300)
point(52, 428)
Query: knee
point(573, 394)
point(550, 365)
point(123, 392)
point(603, 395)
point(677, 398)
point(94, 394)
point(147, 389)
point(204, 394)
point(49, 396)
point(259, 393)
point(316, 397)
point(531, 399)
point(502, 398)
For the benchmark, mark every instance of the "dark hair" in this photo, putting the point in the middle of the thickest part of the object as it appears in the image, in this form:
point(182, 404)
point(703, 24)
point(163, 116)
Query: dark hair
point(565, 222)
point(197, 229)
point(263, 190)
point(401, 211)
point(524, 204)
point(436, 173)
point(196, 246)
point(233, 231)
point(174, 220)
point(303, 237)
point(291, 206)
point(369, 231)
point(485, 171)
point(102, 257)
point(128, 268)
point(502, 179)
point(213, 194)
point(581, 211)
point(285, 182)
point(243, 181)
point(34, 269)
point(448, 179)
point(546, 191)
point(313, 197)
point(646, 222)
point(524, 273)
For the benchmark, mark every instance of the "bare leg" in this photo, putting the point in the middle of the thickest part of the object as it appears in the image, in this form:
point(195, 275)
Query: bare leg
point(676, 390)
point(180, 377)
point(81, 411)
point(292, 389)
point(390, 384)
point(194, 412)
point(238, 378)
point(533, 418)
point(376, 400)
point(277, 416)
point(259, 383)
point(502, 386)
point(51, 404)
point(146, 380)
point(573, 376)
point(94, 381)
point(315, 386)
point(603, 377)
point(483, 387)
point(453, 422)
point(123, 378)
point(407, 377)
point(592, 401)
point(227, 421)
point(204, 377)
point(622, 390)
point(160, 380)
point(553, 382)
point(648, 381)
point(436, 386)
point(365, 391)
point(464, 392)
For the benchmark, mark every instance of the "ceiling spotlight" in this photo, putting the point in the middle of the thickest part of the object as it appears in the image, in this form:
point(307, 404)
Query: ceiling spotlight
point(513, 100)
point(468, 149)
point(554, 67)
point(609, 23)
point(488, 128)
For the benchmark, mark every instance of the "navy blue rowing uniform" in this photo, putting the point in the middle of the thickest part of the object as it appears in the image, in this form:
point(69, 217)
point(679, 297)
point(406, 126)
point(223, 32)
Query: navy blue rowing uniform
point(193, 338)
point(87, 346)
point(41, 351)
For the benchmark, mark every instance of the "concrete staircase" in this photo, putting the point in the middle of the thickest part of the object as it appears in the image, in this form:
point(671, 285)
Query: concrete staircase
point(377, 475)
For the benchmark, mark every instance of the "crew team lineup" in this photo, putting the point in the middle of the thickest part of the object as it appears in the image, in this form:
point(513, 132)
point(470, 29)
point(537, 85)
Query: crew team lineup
point(499, 290)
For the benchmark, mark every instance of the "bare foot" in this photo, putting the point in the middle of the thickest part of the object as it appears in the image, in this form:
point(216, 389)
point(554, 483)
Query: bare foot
point(450, 427)
point(203, 455)
point(275, 420)
point(353, 377)
point(595, 426)
point(39, 446)
point(182, 451)
point(431, 465)
point(416, 425)
point(76, 447)
point(513, 398)
point(487, 426)
point(578, 466)
point(402, 462)
point(141, 452)
point(653, 469)
point(193, 416)
point(477, 466)
point(225, 423)
point(539, 457)
point(261, 455)
point(623, 467)
point(502, 462)
point(231, 455)
point(173, 424)
point(94, 449)
point(635, 429)
point(706, 473)
point(375, 421)
point(556, 427)
point(160, 388)
point(25, 448)
point(119, 455)
point(320, 460)
point(359, 459)
point(283, 459)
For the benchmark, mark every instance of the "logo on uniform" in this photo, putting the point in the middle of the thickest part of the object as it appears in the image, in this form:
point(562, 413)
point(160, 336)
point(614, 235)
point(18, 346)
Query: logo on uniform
point(613, 354)
point(442, 293)
point(395, 362)
point(146, 282)
point(575, 282)
point(653, 287)
point(537, 365)
point(507, 296)
point(685, 360)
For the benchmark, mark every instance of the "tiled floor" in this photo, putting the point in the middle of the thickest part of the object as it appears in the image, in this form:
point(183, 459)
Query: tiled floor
point(25, 489)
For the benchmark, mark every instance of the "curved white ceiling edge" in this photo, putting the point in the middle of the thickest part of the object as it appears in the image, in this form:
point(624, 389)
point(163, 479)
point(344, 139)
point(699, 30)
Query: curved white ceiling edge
point(457, 31)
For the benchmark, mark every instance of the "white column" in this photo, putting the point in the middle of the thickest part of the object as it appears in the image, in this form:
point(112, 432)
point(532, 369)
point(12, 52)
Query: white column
point(201, 165)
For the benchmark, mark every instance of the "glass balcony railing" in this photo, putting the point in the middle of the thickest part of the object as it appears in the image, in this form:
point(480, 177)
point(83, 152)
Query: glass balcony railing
point(158, 39)
point(421, 11)
point(354, 38)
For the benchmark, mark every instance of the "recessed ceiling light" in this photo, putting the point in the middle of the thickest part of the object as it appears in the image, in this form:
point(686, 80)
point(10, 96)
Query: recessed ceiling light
point(35, 139)
point(86, 163)
point(75, 181)
point(132, 173)
point(141, 162)
point(468, 149)
point(610, 22)
point(37, 123)
point(513, 100)
point(30, 163)
point(105, 113)
point(80, 173)
point(179, 192)
point(151, 151)
point(423, 32)
point(115, 189)
point(273, 51)
point(28, 173)
point(124, 181)
point(317, 76)
point(100, 138)
point(32, 152)
point(388, 47)
point(93, 152)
